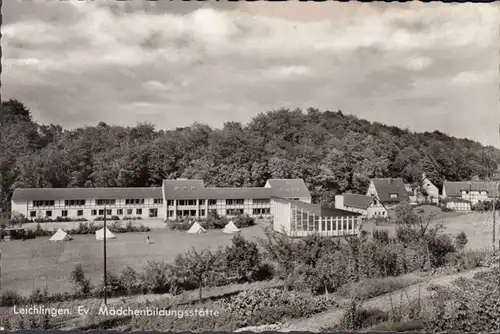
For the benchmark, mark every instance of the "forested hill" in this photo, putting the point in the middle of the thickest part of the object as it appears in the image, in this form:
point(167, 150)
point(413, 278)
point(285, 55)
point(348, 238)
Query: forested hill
point(331, 151)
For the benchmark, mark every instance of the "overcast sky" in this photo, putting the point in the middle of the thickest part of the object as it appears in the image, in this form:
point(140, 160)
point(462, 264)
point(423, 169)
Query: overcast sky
point(421, 66)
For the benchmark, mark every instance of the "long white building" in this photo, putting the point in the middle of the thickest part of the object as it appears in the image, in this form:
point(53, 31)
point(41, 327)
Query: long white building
point(174, 200)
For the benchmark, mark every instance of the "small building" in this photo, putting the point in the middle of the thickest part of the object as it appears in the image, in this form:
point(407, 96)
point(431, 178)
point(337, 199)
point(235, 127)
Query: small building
point(457, 204)
point(369, 207)
point(425, 192)
point(300, 219)
point(388, 191)
point(471, 191)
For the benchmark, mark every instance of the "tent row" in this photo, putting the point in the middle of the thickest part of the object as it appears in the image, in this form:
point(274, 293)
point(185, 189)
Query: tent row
point(230, 228)
point(60, 235)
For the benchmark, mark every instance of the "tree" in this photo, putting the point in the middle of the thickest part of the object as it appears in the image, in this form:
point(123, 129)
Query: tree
point(196, 265)
point(243, 258)
point(461, 240)
point(78, 278)
point(282, 250)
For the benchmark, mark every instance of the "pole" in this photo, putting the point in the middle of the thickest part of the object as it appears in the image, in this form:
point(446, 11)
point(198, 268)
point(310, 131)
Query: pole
point(494, 218)
point(105, 281)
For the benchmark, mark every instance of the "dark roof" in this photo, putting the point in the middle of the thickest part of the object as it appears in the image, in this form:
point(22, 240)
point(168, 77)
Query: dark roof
point(28, 194)
point(454, 189)
point(317, 209)
point(289, 188)
point(195, 189)
point(386, 187)
point(357, 201)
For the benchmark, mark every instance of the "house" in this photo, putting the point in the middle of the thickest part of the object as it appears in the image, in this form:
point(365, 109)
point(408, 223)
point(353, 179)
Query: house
point(472, 191)
point(425, 192)
point(300, 219)
point(388, 191)
point(369, 207)
point(175, 199)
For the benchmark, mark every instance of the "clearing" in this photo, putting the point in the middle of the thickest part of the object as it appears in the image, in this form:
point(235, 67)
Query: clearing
point(39, 263)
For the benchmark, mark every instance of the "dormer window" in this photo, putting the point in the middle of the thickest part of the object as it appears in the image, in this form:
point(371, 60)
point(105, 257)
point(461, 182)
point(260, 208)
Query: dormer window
point(394, 196)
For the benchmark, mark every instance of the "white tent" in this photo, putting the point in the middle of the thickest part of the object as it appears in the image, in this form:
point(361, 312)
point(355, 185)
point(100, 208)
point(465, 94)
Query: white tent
point(230, 228)
point(196, 229)
point(99, 235)
point(60, 235)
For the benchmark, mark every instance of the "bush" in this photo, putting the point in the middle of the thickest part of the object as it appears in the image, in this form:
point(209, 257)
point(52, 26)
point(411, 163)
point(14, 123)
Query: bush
point(156, 278)
point(11, 298)
point(357, 317)
point(375, 287)
point(83, 284)
point(243, 259)
point(244, 221)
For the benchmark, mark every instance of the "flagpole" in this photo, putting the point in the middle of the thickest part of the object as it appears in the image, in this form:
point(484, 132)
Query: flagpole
point(105, 281)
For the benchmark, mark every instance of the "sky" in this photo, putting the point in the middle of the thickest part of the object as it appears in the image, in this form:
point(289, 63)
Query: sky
point(421, 66)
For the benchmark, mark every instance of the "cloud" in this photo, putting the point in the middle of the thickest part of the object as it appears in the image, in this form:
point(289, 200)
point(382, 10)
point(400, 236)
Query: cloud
point(77, 63)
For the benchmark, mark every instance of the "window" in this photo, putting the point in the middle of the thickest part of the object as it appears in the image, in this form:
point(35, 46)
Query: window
point(153, 213)
point(48, 213)
point(93, 212)
point(44, 203)
point(181, 202)
point(170, 213)
point(393, 196)
point(158, 201)
point(132, 201)
point(119, 212)
point(74, 202)
point(256, 211)
point(32, 214)
point(179, 213)
point(105, 202)
point(212, 201)
point(234, 212)
point(192, 213)
point(212, 212)
point(101, 212)
point(191, 202)
point(170, 202)
point(261, 201)
point(64, 213)
point(235, 201)
point(202, 213)
point(201, 202)
point(266, 211)
point(295, 199)
point(79, 213)
point(109, 212)
point(185, 213)
point(129, 211)
point(138, 211)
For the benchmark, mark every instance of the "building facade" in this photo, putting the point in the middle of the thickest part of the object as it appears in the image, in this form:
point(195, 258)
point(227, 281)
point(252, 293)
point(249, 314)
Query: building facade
point(369, 207)
point(176, 199)
point(88, 203)
point(471, 191)
point(300, 219)
point(190, 198)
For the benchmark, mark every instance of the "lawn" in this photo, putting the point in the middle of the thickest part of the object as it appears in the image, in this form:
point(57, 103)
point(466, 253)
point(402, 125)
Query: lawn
point(476, 225)
point(39, 263)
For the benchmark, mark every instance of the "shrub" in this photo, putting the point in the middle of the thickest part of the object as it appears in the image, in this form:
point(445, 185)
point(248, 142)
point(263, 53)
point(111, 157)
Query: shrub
point(82, 283)
point(357, 317)
point(244, 221)
point(381, 236)
point(156, 277)
point(439, 248)
point(11, 298)
point(461, 240)
point(129, 279)
point(243, 258)
point(375, 287)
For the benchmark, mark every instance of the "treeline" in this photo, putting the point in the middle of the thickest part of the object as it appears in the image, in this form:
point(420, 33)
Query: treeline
point(331, 151)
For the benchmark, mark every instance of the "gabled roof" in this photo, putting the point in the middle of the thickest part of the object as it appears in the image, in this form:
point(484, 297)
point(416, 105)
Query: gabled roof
point(454, 189)
point(388, 186)
point(33, 194)
point(294, 188)
point(317, 209)
point(357, 201)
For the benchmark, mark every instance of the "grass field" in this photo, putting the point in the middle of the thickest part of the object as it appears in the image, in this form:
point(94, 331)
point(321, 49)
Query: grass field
point(39, 263)
point(476, 225)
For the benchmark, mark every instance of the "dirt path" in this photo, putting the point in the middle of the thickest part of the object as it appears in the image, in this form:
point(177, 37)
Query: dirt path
point(330, 318)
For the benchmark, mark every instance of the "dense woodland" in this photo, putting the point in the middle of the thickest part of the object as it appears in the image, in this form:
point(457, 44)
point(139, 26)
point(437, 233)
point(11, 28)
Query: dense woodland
point(333, 153)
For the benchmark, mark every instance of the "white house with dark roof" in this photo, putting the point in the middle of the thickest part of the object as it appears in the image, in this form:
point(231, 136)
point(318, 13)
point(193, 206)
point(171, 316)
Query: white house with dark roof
point(368, 206)
point(471, 191)
point(175, 199)
point(388, 191)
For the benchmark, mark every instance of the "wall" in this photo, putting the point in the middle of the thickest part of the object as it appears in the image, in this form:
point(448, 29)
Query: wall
point(281, 216)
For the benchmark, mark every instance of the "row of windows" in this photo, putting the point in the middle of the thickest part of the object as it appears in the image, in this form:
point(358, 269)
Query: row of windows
point(303, 221)
point(82, 202)
point(184, 202)
point(100, 212)
point(229, 212)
